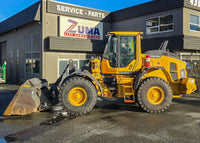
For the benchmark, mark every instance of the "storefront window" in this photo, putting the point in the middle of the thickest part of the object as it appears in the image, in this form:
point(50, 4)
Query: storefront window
point(194, 22)
point(32, 53)
point(152, 22)
point(160, 24)
point(77, 64)
point(36, 65)
point(166, 19)
point(28, 65)
point(166, 28)
point(82, 63)
point(152, 30)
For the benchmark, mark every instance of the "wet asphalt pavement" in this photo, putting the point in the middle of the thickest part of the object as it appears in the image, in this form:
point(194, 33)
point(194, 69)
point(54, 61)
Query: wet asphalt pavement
point(109, 122)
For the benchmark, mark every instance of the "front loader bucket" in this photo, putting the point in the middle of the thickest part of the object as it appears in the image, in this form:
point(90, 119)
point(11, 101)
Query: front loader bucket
point(27, 98)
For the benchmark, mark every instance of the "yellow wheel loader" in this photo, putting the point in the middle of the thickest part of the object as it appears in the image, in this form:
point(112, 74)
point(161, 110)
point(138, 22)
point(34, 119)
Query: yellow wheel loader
point(150, 79)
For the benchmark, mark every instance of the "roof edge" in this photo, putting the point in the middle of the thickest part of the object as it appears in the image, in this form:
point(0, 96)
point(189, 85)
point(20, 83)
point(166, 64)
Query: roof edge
point(32, 13)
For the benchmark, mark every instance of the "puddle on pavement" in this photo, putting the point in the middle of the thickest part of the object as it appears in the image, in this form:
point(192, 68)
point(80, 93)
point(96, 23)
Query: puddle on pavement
point(33, 131)
point(24, 134)
point(193, 115)
point(108, 118)
point(14, 118)
point(11, 139)
point(57, 119)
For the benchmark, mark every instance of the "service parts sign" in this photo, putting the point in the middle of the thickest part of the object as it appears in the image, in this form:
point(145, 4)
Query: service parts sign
point(81, 28)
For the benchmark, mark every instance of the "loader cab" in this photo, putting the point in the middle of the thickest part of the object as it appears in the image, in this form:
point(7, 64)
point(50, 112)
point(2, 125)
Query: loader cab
point(122, 53)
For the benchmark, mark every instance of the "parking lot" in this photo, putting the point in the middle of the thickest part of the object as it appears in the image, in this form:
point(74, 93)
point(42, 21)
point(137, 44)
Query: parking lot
point(111, 121)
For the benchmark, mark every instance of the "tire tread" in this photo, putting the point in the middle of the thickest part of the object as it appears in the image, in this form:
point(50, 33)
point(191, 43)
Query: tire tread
point(140, 96)
point(65, 85)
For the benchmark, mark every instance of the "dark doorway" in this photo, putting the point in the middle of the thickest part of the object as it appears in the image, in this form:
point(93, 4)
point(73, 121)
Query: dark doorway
point(3, 52)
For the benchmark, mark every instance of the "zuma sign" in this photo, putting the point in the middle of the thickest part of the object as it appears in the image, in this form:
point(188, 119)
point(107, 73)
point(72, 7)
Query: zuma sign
point(81, 28)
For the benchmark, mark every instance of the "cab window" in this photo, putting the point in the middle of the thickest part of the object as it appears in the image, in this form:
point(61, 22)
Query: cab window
point(127, 50)
point(110, 51)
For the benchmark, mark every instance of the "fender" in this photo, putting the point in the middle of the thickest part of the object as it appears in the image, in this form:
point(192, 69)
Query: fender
point(80, 72)
point(90, 76)
point(141, 75)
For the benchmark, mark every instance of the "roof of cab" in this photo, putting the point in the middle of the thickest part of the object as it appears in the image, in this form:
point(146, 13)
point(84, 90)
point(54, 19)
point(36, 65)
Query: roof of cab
point(125, 33)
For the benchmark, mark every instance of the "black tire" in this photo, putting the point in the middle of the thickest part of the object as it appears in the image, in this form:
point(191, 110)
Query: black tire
point(88, 104)
point(148, 85)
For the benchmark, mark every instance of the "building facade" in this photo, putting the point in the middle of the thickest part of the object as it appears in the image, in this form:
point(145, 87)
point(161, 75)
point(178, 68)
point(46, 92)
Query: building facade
point(46, 35)
point(160, 20)
point(40, 40)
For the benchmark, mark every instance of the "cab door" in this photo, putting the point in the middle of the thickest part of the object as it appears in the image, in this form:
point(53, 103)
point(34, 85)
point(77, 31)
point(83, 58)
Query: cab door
point(122, 55)
point(127, 53)
point(110, 58)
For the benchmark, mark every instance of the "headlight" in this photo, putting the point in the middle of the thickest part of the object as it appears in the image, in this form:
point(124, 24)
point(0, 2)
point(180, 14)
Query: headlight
point(182, 73)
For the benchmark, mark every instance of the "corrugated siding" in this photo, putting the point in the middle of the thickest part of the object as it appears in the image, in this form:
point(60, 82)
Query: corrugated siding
point(191, 42)
point(175, 43)
point(146, 8)
point(26, 16)
point(76, 45)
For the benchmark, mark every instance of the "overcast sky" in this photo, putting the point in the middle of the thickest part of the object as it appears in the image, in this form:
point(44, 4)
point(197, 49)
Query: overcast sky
point(10, 7)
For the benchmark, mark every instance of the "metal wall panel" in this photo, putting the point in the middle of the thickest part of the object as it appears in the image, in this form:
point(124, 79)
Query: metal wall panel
point(146, 9)
point(175, 43)
point(191, 43)
point(15, 49)
point(75, 45)
point(139, 24)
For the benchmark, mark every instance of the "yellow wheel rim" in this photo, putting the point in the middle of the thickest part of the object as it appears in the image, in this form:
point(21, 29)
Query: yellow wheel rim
point(155, 95)
point(77, 96)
